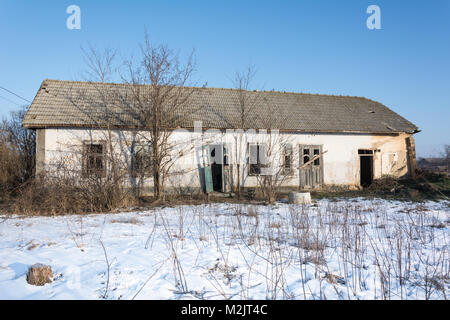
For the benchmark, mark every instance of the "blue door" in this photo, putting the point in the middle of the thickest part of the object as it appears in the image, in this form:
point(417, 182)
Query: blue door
point(206, 163)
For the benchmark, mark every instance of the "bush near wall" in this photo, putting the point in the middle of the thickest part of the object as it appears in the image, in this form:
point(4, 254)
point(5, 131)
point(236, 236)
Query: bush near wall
point(55, 196)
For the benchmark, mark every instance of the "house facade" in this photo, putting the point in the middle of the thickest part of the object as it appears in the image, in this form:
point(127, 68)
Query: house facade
point(307, 141)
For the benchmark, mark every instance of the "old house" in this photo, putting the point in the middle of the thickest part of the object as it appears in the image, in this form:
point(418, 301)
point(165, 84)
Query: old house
point(321, 140)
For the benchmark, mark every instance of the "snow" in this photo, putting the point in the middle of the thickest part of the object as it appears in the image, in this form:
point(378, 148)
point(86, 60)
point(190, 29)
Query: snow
point(344, 249)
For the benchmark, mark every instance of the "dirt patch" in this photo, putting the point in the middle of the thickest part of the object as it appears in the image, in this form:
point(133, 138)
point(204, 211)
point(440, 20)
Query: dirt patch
point(127, 220)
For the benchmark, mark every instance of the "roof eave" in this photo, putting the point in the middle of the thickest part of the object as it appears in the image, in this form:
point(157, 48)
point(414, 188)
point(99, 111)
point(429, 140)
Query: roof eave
point(48, 126)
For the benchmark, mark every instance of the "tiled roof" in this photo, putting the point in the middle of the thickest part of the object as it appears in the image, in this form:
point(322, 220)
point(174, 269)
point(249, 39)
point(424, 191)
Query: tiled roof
point(89, 104)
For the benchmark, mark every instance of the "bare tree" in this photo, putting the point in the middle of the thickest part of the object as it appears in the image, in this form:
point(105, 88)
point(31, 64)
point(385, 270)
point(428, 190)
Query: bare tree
point(154, 94)
point(100, 65)
point(276, 151)
point(161, 91)
point(247, 101)
point(103, 153)
point(18, 150)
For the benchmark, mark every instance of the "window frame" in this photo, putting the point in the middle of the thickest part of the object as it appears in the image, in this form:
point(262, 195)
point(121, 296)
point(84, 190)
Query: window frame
point(288, 170)
point(254, 169)
point(91, 172)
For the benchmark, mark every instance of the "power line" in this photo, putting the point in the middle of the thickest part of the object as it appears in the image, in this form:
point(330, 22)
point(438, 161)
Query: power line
point(9, 100)
point(15, 94)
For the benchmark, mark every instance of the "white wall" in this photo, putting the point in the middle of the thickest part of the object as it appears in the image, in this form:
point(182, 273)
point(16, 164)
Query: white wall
point(341, 162)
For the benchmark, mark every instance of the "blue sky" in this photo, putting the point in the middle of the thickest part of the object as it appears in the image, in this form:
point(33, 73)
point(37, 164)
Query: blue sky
point(302, 46)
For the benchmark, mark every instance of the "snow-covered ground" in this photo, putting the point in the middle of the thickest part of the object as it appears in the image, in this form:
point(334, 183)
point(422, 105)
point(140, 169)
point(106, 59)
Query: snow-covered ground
point(347, 249)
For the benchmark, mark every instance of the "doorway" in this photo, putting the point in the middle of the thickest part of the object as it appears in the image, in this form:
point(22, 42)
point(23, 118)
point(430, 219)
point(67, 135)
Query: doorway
point(366, 167)
point(216, 167)
point(220, 168)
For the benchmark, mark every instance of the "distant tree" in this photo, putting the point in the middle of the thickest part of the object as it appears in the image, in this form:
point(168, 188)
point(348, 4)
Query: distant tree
point(445, 153)
point(18, 149)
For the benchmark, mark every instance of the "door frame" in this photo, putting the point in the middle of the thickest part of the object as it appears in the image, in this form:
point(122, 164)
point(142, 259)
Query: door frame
point(310, 169)
point(226, 169)
point(207, 171)
point(366, 153)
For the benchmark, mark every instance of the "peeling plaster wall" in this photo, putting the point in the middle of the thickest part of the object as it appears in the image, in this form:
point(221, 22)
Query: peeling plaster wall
point(392, 160)
point(341, 162)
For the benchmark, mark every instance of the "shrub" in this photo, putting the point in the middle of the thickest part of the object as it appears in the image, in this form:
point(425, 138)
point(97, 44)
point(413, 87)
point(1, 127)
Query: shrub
point(53, 196)
point(17, 151)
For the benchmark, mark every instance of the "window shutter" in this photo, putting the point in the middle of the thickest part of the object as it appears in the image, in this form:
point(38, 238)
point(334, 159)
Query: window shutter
point(253, 156)
point(263, 155)
point(287, 158)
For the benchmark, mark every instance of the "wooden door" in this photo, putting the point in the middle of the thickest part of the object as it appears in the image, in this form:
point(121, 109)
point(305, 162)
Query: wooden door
point(311, 176)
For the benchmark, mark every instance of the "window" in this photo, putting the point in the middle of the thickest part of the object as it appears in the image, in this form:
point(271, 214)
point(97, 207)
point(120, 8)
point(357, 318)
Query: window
point(141, 162)
point(287, 159)
point(257, 158)
point(94, 159)
point(305, 155)
point(317, 161)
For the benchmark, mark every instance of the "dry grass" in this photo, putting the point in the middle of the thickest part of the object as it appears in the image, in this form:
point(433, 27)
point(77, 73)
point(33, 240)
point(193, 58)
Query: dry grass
point(49, 196)
point(399, 253)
